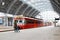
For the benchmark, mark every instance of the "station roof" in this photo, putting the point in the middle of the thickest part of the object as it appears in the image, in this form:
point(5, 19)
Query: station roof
point(18, 7)
point(29, 8)
point(56, 5)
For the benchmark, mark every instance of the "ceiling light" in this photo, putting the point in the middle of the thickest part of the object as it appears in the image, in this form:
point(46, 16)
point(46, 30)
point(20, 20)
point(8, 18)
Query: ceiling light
point(3, 3)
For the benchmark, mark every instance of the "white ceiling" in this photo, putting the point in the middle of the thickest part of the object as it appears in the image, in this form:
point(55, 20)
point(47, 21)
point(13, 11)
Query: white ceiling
point(41, 5)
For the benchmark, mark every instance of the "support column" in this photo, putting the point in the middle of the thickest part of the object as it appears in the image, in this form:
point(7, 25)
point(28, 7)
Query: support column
point(6, 20)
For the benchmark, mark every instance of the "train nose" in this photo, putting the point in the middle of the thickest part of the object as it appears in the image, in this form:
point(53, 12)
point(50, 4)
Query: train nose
point(20, 24)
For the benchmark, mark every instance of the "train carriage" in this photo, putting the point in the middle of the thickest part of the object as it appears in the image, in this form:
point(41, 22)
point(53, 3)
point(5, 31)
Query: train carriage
point(26, 22)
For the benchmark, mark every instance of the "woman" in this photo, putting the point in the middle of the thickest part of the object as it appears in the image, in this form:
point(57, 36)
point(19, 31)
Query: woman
point(16, 28)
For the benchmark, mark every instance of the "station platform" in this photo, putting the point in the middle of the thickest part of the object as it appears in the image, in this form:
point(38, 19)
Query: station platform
point(5, 28)
point(41, 33)
point(10, 28)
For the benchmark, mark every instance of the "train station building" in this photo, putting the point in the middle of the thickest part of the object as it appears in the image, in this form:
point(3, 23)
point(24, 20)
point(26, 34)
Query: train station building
point(31, 15)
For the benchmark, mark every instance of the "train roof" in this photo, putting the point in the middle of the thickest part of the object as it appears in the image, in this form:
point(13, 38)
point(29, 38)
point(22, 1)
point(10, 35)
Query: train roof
point(17, 17)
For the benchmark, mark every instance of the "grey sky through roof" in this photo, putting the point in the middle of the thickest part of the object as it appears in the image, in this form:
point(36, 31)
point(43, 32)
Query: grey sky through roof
point(45, 8)
point(41, 5)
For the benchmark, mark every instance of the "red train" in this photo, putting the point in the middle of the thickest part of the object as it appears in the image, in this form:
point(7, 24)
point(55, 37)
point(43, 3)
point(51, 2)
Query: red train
point(26, 22)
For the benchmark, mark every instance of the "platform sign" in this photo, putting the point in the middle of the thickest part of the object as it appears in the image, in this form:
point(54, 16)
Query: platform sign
point(57, 19)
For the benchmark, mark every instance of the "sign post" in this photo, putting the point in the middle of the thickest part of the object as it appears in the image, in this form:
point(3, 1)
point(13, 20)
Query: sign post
point(56, 20)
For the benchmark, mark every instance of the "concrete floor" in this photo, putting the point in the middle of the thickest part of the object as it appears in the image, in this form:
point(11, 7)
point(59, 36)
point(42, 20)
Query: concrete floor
point(42, 33)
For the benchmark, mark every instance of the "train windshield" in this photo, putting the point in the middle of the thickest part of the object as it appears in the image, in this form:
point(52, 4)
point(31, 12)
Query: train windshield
point(21, 21)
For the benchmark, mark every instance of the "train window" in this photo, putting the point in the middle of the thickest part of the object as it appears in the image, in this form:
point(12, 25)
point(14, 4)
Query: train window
point(29, 21)
point(20, 21)
point(38, 22)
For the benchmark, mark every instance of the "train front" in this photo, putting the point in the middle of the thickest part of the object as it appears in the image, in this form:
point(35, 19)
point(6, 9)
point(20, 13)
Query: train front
point(20, 21)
